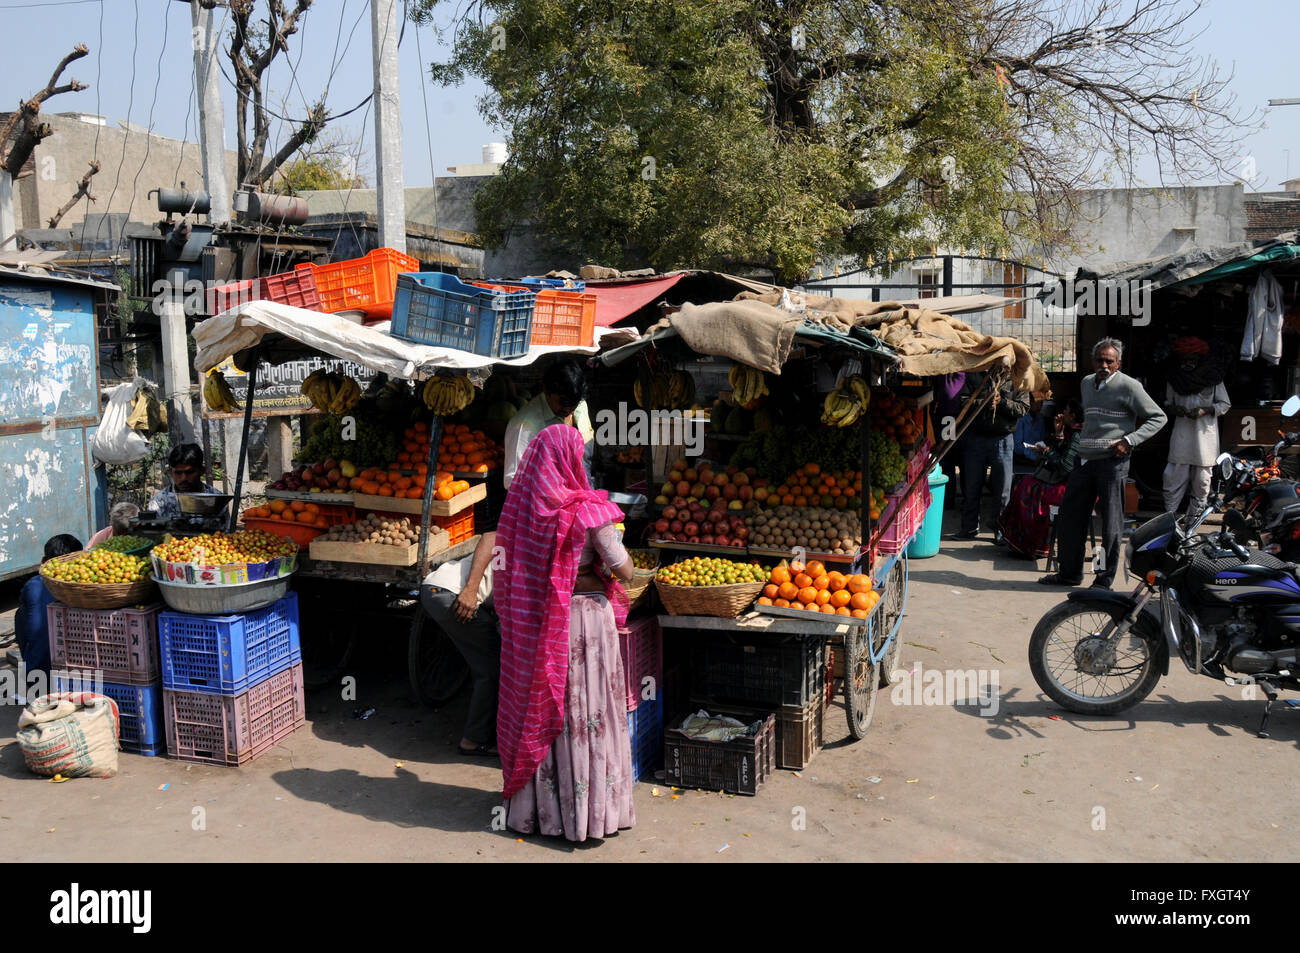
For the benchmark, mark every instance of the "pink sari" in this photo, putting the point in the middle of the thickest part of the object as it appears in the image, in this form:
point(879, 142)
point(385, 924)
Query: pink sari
point(548, 512)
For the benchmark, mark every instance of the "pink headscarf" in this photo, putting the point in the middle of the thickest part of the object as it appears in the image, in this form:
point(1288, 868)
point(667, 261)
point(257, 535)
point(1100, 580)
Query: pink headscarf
point(544, 524)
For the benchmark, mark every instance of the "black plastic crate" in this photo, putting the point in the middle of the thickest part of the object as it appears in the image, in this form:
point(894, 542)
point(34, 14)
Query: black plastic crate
point(736, 767)
point(758, 670)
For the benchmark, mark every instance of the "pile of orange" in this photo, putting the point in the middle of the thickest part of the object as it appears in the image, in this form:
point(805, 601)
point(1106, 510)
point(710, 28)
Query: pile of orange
point(461, 450)
point(894, 418)
point(296, 511)
point(813, 589)
point(377, 482)
point(810, 486)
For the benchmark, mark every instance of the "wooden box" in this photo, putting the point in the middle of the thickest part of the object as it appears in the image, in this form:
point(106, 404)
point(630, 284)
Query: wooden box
point(380, 554)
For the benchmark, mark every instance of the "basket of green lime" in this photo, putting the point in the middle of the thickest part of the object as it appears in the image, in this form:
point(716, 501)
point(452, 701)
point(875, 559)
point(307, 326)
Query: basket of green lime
point(129, 545)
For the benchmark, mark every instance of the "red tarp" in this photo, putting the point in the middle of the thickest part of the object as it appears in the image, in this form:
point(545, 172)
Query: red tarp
point(614, 302)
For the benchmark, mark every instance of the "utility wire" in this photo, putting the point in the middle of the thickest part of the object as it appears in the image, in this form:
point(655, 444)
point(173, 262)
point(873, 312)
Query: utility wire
point(148, 138)
point(99, 125)
point(130, 103)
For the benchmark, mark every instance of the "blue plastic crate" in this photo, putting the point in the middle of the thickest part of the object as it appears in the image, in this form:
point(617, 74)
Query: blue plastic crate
point(228, 654)
point(645, 725)
point(441, 310)
point(141, 729)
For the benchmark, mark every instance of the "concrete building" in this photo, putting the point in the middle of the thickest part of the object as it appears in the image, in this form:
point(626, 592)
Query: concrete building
point(132, 162)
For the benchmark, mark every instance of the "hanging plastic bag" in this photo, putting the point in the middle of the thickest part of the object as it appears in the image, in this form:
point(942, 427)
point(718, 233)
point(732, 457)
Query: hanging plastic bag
point(115, 441)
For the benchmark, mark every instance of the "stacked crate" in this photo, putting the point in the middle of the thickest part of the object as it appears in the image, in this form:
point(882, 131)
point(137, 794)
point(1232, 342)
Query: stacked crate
point(641, 643)
point(113, 652)
point(784, 675)
point(232, 684)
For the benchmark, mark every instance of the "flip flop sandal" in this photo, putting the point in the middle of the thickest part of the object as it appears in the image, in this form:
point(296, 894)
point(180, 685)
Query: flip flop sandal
point(478, 751)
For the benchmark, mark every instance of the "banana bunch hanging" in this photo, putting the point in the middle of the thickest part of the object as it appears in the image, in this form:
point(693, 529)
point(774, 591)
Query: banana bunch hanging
point(748, 385)
point(846, 404)
point(331, 392)
point(446, 394)
point(666, 390)
point(217, 394)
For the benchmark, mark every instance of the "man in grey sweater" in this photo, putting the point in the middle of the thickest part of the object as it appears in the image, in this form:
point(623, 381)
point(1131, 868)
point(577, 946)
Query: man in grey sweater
point(1118, 415)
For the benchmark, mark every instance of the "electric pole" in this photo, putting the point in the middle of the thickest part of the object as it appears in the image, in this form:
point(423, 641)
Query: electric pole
point(389, 183)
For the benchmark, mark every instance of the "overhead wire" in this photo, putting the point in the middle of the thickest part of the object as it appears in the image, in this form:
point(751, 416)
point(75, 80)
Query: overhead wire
point(99, 124)
point(130, 103)
point(148, 136)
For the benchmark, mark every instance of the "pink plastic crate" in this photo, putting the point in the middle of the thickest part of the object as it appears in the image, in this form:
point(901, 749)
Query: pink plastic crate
point(908, 522)
point(226, 729)
point(641, 642)
point(120, 643)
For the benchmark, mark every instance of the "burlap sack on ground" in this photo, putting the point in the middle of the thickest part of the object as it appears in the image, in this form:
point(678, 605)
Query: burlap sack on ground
point(749, 332)
point(74, 734)
point(928, 343)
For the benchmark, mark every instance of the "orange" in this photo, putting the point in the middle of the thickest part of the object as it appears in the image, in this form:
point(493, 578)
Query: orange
point(780, 574)
point(764, 601)
point(458, 459)
point(841, 597)
point(807, 594)
point(370, 488)
point(874, 597)
point(822, 583)
point(385, 490)
point(811, 469)
point(801, 501)
point(305, 517)
point(861, 600)
point(788, 590)
point(312, 508)
point(796, 566)
point(415, 493)
point(815, 569)
point(482, 468)
point(441, 477)
point(781, 603)
point(823, 597)
point(771, 591)
point(404, 483)
point(843, 610)
point(859, 613)
point(787, 499)
point(321, 523)
point(859, 582)
point(803, 580)
point(444, 492)
point(837, 580)
point(278, 506)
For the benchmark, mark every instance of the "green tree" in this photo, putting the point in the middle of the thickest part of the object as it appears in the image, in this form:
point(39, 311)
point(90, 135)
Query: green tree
point(775, 132)
point(313, 173)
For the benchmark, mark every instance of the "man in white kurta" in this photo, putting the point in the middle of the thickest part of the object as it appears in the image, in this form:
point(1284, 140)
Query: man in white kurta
point(1193, 444)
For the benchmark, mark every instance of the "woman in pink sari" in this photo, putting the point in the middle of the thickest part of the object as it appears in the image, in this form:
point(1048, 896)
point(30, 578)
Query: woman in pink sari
point(566, 757)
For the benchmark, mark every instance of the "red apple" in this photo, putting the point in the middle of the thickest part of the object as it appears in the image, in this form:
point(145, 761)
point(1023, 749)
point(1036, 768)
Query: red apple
point(706, 540)
point(691, 529)
point(711, 493)
point(675, 476)
point(690, 475)
point(742, 532)
point(668, 489)
point(751, 472)
point(683, 488)
point(691, 539)
point(677, 527)
point(680, 500)
point(730, 491)
point(308, 478)
point(761, 494)
point(746, 492)
point(732, 470)
point(722, 539)
point(670, 512)
point(661, 526)
point(318, 469)
point(680, 464)
point(707, 527)
point(698, 491)
point(740, 479)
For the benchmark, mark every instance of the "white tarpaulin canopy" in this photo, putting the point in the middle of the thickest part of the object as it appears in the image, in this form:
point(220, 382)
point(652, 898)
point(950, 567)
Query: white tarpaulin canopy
point(241, 328)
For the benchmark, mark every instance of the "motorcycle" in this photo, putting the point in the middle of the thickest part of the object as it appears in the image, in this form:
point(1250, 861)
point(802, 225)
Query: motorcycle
point(1227, 612)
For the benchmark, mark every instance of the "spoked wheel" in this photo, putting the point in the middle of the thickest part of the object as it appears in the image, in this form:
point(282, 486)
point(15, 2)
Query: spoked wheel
point(861, 680)
point(893, 598)
point(1083, 670)
point(436, 669)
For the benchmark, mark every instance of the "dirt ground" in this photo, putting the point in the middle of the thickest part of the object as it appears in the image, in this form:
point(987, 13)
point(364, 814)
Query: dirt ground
point(1182, 777)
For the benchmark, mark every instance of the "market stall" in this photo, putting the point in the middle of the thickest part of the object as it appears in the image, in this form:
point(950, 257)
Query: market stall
point(815, 467)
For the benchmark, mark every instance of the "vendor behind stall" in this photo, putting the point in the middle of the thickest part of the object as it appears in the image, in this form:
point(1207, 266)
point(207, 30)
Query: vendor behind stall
point(185, 467)
point(562, 401)
point(119, 523)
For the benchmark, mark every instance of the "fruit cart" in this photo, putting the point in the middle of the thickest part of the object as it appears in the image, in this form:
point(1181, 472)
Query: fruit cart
point(353, 585)
point(867, 641)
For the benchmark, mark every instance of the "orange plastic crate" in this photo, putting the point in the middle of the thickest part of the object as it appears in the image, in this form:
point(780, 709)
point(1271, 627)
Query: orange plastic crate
point(459, 527)
point(560, 317)
point(301, 533)
point(366, 284)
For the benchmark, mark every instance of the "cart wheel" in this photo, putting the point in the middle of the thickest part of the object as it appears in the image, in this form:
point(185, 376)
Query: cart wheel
point(861, 681)
point(437, 671)
point(890, 615)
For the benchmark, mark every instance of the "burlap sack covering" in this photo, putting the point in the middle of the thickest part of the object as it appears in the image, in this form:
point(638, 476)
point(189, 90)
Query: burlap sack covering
point(74, 734)
point(594, 272)
point(746, 331)
point(928, 343)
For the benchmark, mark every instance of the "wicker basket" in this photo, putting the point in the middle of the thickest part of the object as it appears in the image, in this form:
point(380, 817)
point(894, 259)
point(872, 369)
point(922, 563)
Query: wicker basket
point(725, 601)
point(638, 590)
point(85, 595)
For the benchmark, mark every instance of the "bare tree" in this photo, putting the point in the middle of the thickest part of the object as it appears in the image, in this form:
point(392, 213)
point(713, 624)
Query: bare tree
point(254, 45)
point(83, 188)
point(22, 131)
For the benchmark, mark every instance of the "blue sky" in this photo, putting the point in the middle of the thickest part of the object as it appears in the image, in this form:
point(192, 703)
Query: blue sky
point(143, 70)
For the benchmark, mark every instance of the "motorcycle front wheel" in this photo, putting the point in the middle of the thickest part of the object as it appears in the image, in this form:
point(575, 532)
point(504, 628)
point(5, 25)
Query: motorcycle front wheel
point(1081, 670)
